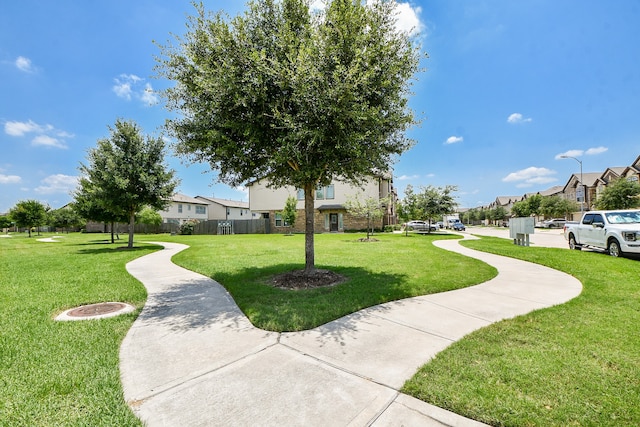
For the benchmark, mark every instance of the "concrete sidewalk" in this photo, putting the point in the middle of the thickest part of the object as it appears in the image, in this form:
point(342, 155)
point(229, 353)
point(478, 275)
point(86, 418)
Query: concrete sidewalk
point(193, 359)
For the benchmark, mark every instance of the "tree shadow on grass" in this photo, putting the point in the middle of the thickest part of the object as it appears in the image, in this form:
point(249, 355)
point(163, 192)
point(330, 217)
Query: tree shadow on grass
point(113, 248)
point(279, 309)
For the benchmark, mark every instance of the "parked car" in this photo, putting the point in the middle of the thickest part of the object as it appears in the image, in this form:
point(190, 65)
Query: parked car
point(458, 226)
point(421, 226)
point(552, 223)
point(617, 232)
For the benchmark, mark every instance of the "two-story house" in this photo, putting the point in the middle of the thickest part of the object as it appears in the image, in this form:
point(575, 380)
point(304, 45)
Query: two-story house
point(183, 208)
point(330, 214)
point(223, 209)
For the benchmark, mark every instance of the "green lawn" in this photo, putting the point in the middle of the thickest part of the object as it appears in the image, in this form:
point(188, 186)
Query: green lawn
point(63, 373)
point(573, 364)
point(393, 268)
point(66, 373)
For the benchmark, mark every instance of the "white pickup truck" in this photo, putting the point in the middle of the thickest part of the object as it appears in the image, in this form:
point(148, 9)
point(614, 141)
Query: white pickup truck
point(618, 232)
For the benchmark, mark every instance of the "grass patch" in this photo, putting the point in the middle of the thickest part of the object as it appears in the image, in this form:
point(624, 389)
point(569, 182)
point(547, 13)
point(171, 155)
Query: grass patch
point(392, 268)
point(63, 373)
point(573, 364)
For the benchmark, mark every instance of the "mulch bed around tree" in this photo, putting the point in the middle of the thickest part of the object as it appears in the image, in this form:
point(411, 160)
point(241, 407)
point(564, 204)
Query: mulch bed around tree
point(295, 280)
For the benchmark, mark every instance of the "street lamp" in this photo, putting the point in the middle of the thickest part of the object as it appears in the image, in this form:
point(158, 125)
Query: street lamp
point(581, 181)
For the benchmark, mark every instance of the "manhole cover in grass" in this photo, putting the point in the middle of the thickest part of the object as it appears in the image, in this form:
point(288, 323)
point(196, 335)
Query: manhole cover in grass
point(96, 311)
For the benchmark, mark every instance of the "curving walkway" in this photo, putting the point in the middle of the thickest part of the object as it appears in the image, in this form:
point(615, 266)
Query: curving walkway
point(192, 358)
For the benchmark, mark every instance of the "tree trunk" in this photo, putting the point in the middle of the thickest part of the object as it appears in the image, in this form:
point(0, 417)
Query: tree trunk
point(112, 240)
point(132, 223)
point(310, 265)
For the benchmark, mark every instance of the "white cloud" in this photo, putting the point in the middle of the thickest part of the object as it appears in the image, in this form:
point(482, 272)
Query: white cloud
point(518, 118)
point(24, 64)
point(48, 141)
point(407, 177)
point(128, 86)
point(531, 175)
point(148, 96)
point(46, 135)
point(408, 19)
point(22, 128)
point(578, 153)
point(595, 150)
point(9, 179)
point(58, 183)
point(454, 140)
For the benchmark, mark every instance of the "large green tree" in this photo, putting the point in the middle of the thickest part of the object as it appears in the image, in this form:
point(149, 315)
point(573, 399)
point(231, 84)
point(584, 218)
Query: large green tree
point(619, 194)
point(65, 218)
point(29, 213)
point(125, 173)
point(292, 96)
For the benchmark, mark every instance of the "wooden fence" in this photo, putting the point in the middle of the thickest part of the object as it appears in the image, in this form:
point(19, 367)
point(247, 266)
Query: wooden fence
point(235, 226)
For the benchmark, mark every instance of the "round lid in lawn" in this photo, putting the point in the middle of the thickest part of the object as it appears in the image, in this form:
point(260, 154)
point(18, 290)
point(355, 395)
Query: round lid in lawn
point(96, 311)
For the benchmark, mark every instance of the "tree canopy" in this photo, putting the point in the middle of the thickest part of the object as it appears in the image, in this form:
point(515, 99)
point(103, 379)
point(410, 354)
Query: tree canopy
point(29, 213)
point(370, 208)
point(619, 194)
point(292, 96)
point(125, 173)
point(430, 204)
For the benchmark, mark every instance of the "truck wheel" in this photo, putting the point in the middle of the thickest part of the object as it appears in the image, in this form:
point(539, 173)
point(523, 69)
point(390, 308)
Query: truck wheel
point(614, 248)
point(573, 244)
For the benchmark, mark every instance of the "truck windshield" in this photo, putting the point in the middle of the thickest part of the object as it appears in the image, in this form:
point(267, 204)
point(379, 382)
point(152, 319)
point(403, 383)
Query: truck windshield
point(623, 217)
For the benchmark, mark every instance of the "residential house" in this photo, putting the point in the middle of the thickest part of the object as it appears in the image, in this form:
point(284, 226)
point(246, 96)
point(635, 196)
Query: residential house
point(184, 208)
point(330, 214)
point(223, 209)
point(632, 173)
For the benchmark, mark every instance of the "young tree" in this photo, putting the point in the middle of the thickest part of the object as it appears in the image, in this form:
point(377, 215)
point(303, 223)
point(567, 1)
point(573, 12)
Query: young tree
point(64, 218)
point(290, 212)
point(520, 209)
point(437, 201)
point(372, 209)
point(410, 207)
point(292, 96)
point(619, 194)
point(29, 213)
point(5, 222)
point(126, 173)
point(150, 217)
point(556, 206)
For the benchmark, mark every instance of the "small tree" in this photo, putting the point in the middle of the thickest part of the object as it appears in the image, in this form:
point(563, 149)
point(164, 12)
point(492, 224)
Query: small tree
point(370, 208)
point(410, 207)
point(556, 206)
point(150, 217)
point(520, 209)
point(290, 212)
point(437, 201)
point(64, 218)
point(5, 222)
point(87, 206)
point(29, 213)
point(499, 213)
point(619, 194)
point(127, 172)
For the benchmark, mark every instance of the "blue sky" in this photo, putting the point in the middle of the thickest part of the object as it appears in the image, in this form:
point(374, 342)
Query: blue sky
point(508, 87)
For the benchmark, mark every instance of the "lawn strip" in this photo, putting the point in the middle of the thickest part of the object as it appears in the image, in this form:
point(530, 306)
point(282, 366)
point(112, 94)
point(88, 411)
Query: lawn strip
point(573, 364)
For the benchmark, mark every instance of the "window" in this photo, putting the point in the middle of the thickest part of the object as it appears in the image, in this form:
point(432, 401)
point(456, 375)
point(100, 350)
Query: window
point(329, 192)
point(179, 208)
point(280, 222)
point(265, 215)
point(300, 194)
point(201, 210)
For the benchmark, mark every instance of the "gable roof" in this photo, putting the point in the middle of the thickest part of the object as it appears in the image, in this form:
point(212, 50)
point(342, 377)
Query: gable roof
point(181, 198)
point(225, 202)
